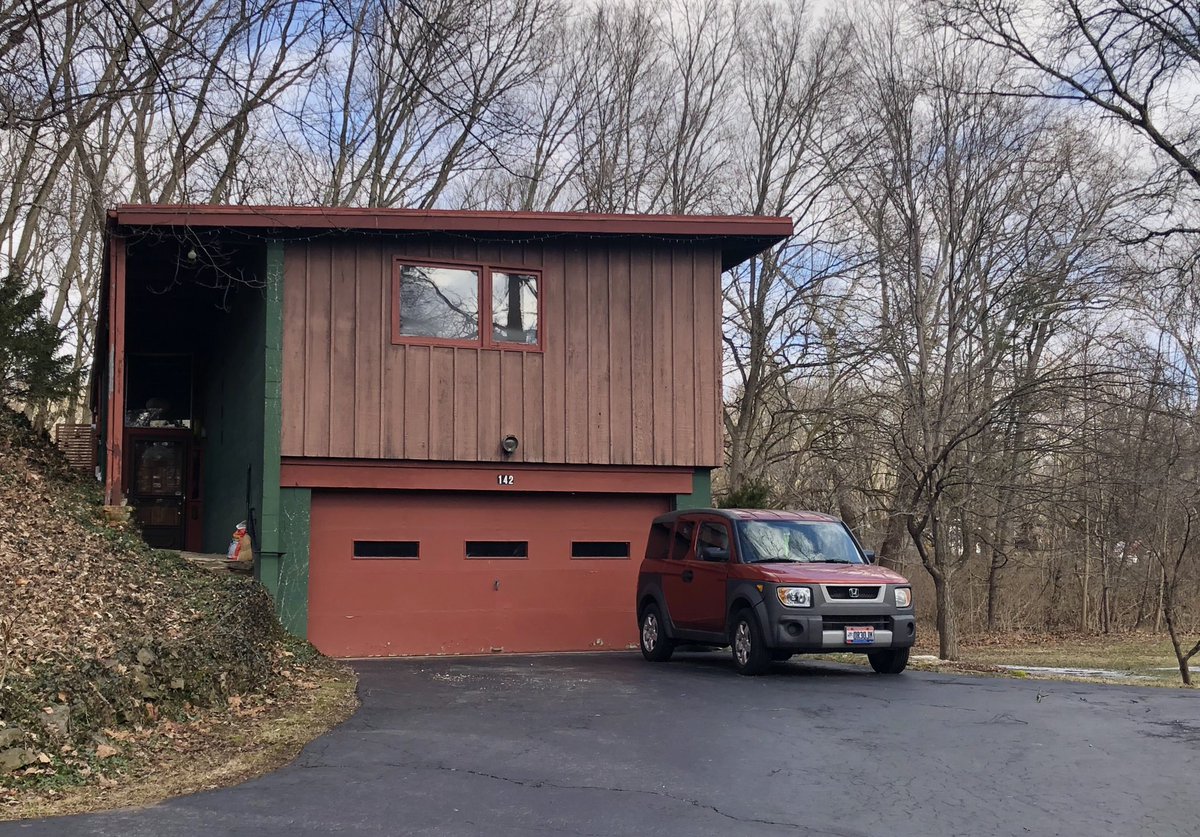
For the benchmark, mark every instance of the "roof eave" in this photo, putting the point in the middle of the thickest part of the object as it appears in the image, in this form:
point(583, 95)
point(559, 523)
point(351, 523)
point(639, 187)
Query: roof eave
point(740, 237)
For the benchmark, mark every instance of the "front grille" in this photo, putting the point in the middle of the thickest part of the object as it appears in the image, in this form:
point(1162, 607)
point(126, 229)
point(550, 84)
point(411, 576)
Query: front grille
point(843, 592)
point(840, 623)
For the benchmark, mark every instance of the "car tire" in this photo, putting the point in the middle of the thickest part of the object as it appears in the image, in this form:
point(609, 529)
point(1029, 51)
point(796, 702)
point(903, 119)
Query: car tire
point(781, 656)
point(888, 662)
point(750, 654)
point(656, 647)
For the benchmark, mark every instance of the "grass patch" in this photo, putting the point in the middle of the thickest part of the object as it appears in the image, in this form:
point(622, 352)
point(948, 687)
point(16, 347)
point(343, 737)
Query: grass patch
point(1135, 659)
point(1146, 657)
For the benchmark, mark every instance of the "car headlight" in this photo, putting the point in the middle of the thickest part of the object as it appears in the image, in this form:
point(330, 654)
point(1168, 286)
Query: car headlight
point(903, 596)
point(795, 596)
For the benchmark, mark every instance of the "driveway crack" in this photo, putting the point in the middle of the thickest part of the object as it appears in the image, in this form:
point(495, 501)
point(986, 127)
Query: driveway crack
point(536, 784)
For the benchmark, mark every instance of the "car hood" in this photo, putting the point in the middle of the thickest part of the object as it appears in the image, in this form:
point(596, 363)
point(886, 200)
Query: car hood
point(828, 574)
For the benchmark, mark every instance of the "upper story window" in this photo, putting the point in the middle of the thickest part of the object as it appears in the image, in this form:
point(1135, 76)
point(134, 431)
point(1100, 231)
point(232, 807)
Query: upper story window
point(514, 308)
point(465, 305)
point(439, 302)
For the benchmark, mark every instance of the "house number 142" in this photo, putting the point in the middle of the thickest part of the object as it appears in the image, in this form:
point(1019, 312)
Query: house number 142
point(506, 479)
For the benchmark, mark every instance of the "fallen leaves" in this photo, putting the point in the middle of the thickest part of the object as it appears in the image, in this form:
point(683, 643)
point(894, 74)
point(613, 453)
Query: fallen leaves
point(95, 628)
point(116, 660)
point(69, 583)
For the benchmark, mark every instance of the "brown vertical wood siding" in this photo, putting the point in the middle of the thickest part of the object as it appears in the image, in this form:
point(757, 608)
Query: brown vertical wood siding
point(629, 375)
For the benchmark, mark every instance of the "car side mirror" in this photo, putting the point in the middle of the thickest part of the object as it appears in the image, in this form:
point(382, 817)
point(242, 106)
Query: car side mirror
point(713, 553)
point(869, 554)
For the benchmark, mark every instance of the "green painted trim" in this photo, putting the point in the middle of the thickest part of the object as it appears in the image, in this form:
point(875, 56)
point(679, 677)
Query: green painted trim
point(272, 419)
point(701, 496)
point(291, 598)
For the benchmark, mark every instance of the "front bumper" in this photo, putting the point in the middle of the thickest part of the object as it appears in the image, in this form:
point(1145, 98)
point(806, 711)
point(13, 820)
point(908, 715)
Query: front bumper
point(822, 626)
point(810, 633)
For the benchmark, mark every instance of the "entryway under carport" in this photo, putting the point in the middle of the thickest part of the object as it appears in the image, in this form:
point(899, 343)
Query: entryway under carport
point(396, 573)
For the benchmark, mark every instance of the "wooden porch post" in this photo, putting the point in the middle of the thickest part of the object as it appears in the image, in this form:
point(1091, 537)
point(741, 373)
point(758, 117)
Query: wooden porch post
point(115, 425)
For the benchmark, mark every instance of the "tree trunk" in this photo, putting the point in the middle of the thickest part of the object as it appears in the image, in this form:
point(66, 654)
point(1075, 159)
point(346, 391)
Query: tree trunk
point(993, 592)
point(1087, 572)
point(998, 556)
point(1056, 578)
point(947, 629)
point(893, 540)
point(1158, 605)
point(1143, 608)
point(847, 510)
point(1180, 655)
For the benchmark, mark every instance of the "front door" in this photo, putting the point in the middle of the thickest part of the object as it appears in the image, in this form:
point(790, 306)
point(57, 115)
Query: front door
point(157, 483)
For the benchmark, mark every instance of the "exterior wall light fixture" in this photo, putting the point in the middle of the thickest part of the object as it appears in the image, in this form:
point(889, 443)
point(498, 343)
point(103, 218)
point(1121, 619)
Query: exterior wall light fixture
point(509, 444)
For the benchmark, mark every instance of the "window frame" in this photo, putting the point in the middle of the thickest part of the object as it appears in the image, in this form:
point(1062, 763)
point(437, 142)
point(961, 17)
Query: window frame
point(485, 339)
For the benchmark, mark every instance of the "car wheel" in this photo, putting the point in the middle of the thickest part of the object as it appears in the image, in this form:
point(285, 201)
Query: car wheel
point(781, 656)
point(888, 662)
point(750, 654)
point(656, 647)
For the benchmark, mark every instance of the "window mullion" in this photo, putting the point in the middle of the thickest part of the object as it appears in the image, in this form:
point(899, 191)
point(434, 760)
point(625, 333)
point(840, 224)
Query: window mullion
point(485, 307)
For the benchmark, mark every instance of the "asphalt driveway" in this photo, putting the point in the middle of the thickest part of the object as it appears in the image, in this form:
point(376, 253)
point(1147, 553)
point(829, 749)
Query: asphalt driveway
point(608, 744)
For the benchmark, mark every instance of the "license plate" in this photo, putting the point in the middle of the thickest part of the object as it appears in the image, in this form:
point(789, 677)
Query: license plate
point(864, 635)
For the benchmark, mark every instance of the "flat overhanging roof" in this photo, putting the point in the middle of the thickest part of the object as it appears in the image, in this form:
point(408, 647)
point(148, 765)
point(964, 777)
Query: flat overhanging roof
point(739, 237)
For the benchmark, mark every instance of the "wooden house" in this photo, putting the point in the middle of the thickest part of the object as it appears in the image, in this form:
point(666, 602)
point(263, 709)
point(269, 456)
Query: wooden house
point(448, 431)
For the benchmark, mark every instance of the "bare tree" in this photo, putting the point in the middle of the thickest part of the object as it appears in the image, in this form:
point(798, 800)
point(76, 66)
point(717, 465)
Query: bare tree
point(1133, 61)
point(702, 53)
point(621, 109)
point(785, 316)
point(414, 95)
point(961, 198)
point(540, 162)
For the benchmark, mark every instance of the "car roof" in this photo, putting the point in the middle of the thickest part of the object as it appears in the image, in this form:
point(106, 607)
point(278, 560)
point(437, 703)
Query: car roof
point(752, 514)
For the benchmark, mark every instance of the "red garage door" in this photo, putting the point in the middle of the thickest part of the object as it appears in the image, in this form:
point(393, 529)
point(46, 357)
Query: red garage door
point(395, 573)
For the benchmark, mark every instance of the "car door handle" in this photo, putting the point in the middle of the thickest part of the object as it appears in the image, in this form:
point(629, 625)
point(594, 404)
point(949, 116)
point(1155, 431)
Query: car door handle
point(688, 575)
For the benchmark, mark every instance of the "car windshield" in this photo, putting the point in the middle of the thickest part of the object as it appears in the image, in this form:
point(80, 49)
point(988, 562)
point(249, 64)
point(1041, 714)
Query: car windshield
point(807, 542)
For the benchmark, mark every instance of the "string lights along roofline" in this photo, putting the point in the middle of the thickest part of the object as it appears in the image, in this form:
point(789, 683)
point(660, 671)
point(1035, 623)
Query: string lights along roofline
point(442, 220)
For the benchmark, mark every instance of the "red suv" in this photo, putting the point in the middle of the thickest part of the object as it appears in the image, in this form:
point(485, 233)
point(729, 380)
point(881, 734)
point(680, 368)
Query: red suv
point(769, 584)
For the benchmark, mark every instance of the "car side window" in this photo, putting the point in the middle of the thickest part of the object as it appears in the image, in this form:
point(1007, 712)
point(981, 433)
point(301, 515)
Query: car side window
point(658, 545)
point(712, 542)
point(682, 542)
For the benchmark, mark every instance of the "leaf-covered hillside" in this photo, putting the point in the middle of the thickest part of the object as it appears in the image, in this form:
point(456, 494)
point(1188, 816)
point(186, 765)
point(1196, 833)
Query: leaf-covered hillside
point(98, 633)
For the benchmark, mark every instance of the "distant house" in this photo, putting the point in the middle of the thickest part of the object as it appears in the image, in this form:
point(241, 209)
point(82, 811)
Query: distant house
point(448, 430)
